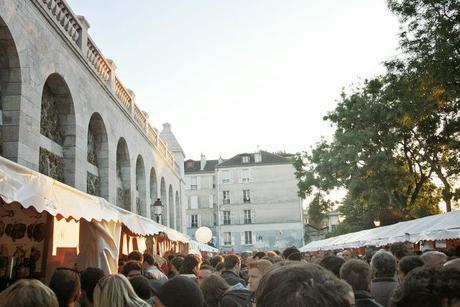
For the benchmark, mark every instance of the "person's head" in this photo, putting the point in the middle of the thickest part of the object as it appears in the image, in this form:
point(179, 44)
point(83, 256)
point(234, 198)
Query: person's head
point(213, 288)
point(142, 287)
point(116, 291)
point(292, 253)
point(135, 256)
point(333, 264)
point(232, 263)
point(453, 264)
point(383, 264)
point(257, 269)
point(357, 274)
point(407, 264)
point(399, 250)
point(215, 260)
point(434, 258)
point(258, 255)
point(220, 267)
point(132, 268)
point(429, 286)
point(149, 261)
point(179, 291)
point(271, 254)
point(204, 272)
point(302, 284)
point(89, 278)
point(66, 285)
point(346, 255)
point(190, 265)
point(26, 293)
point(176, 264)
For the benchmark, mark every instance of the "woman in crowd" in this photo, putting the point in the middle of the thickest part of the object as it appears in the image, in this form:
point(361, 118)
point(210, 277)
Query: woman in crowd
point(27, 293)
point(116, 291)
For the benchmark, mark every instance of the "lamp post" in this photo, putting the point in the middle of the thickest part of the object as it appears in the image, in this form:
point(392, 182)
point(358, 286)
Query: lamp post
point(157, 209)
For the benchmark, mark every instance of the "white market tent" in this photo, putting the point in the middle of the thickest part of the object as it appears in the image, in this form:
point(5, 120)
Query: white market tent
point(202, 247)
point(431, 228)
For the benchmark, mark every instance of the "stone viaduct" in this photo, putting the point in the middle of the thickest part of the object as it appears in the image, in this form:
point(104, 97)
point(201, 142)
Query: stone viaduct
point(66, 114)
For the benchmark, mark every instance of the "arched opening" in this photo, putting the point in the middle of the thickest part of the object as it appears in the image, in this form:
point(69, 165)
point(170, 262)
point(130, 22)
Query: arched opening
point(97, 181)
point(153, 192)
point(140, 187)
point(178, 212)
point(10, 94)
point(123, 176)
point(172, 222)
point(164, 214)
point(57, 124)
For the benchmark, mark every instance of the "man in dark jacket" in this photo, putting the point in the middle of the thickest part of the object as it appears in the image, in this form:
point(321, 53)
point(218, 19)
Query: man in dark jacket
point(384, 283)
point(358, 274)
point(232, 265)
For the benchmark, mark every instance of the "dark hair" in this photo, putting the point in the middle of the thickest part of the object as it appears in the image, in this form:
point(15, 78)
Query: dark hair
point(65, 283)
point(141, 287)
point(292, 253)
point(131, 266)
point(215, 260)
point(190, 262)
point(181, 291)
point(231, 261)
point(135, 256)
point(177, 262)
point(89, 279)
point(259, 255)
point(399, 250)
point(333, 264)
point(357, 274)
point(408, 263)
point(149, 259)
point(220, 266)
point(207, 267)
point(428, 287)
point(213, 288)
point(301, 285)
point(383, 264)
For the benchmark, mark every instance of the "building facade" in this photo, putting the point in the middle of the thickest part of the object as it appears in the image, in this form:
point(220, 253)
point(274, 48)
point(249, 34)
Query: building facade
point(66, 113)
point(255, 203)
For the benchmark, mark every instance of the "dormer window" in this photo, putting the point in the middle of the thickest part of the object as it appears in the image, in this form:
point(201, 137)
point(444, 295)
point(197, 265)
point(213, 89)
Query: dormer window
point(258, 157)
point(246, 159)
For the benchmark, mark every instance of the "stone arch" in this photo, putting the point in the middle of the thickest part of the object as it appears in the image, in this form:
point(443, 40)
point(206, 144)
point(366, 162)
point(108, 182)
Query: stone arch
point(153, 191)
point(57, 124)
point(97, 182)
point(178, 212)
point(10, 94)
point(163, 197)
point(172, 222)
point(140, 187)
point(123, 175)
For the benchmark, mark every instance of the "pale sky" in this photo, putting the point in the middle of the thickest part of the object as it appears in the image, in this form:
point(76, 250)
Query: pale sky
point(230, 75)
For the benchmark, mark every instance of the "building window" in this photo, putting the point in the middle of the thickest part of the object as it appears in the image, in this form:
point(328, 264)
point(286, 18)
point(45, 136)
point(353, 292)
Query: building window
point(226, 197)
point(227, 238)
point(194, 222)
point(248, 237)
point(226, 177)
point(246, 159)
point(258, 157)
point(245, 175)
point(227, 220)
point(246, 196)
point(247, 217)
point(193, 183)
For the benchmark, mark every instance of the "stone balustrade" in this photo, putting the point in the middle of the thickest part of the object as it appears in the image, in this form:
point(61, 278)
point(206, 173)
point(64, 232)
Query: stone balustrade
point(75, 29)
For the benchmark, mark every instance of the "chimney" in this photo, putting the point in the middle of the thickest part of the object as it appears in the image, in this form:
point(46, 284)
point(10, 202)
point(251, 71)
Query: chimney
point(220, 160)
point(203, 162)
point(258, 155)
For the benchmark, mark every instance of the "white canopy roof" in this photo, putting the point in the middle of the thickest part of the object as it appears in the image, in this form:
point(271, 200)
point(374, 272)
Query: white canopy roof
point(202, 247)
point(32, 189)
point(436, 227)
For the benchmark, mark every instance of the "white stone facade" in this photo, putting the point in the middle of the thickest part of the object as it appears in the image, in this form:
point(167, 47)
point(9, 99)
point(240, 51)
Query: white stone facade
point(52, 72)
point(256, 206)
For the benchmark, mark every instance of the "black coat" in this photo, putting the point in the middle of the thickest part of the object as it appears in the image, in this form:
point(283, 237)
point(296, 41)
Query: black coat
point(365, 299)
point(232, 279)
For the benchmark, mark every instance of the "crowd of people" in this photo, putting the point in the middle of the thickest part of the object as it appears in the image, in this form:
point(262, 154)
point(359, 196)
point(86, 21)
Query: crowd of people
point(391, 277)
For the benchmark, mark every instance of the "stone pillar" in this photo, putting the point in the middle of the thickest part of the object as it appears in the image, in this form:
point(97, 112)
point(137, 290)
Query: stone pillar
point(131, 93)
point(83, 37)
point(113, 69)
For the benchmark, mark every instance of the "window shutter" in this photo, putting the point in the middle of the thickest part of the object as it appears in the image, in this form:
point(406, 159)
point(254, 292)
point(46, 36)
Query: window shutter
point(198, 182)
point(189, 221)
point(253, 233)
point(233, 217)
point(233, 238)
point(242, 238)
point(253, 216)
point(211, 201)
point(199, 220)
point(187, 183)
point(221, 217)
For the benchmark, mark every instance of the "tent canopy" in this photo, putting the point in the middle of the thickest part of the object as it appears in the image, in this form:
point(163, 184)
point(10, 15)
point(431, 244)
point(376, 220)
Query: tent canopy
point(202, 247)
point(32, 189)
point(436, 227)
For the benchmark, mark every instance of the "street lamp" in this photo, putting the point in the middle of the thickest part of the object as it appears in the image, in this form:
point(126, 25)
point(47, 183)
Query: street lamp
point(377, 222)
point(157, 208)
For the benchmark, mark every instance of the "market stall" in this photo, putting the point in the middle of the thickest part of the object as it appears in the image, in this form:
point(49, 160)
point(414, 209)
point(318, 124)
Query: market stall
point(48, 224)
point(441, 227)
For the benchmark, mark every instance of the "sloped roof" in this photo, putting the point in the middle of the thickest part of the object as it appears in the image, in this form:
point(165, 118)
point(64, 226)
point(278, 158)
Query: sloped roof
point(169, 138)
point(192, 166)
point(267, 158)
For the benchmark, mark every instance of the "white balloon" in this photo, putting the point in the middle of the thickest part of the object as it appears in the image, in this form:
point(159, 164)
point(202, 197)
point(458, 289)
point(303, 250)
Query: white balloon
point(203, 234)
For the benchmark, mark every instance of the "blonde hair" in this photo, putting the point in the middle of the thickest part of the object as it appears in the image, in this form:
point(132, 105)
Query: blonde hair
point(262, 265)
point(28, 292)
point(116, 291)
